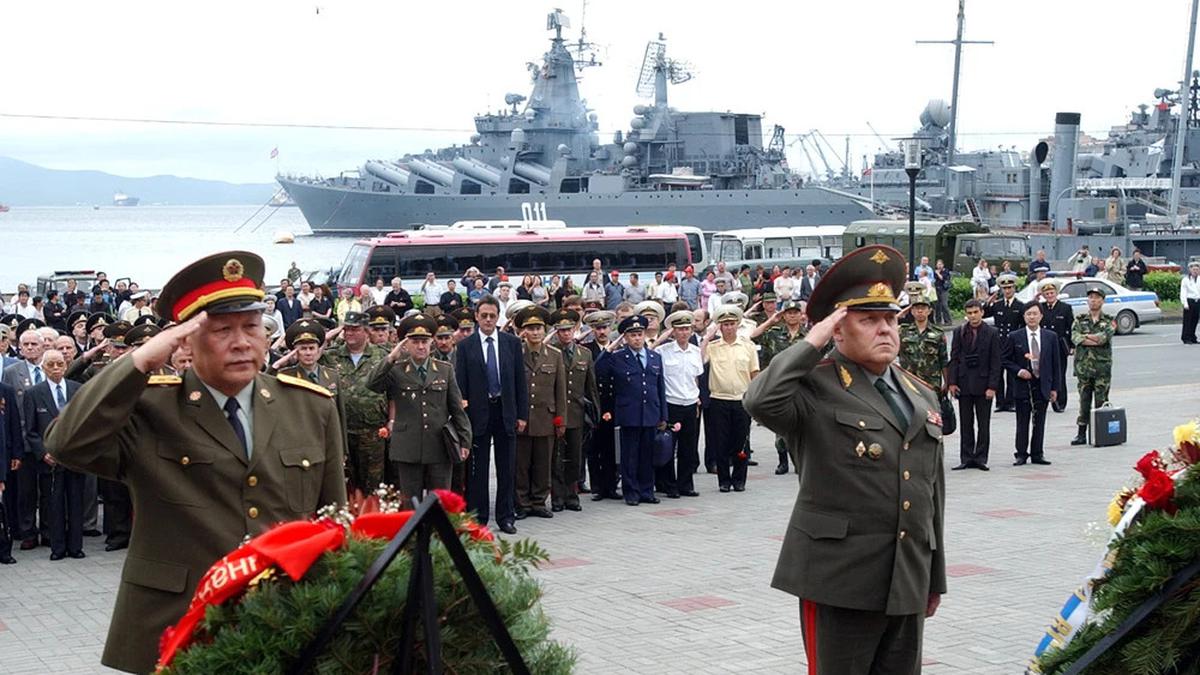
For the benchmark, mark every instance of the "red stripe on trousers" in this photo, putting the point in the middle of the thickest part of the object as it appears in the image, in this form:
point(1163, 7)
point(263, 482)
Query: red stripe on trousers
point(810, 635)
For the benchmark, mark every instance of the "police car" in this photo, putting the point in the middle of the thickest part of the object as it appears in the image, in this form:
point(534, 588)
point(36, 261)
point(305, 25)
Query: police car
point(1130, 308)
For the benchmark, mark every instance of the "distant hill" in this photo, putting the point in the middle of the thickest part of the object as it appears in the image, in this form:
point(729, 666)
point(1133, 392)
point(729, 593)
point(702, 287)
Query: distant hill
point(24, 184)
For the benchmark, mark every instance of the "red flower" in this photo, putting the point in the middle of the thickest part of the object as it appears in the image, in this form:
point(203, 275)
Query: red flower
point(1150, 463)
point(1158, 492)
point(380, 525)
point(1190, 452)
point(384, 433)
point(479, 532)
point(451, 501)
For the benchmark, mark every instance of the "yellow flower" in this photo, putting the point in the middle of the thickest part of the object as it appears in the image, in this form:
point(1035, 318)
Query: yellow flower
point(1187, 432)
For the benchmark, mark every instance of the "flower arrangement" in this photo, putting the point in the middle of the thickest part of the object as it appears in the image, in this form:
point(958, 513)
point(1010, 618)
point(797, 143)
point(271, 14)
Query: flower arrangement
point(259, 606)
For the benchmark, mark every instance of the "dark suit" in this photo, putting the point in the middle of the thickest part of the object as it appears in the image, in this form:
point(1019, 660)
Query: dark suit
point(32, 483)
point(290, 310)
point(975, 367)
point(12, 446)
point(1007, 316)
point(1059, 319)
point(65, 489)
point(639, 404)
point(493, 419)
point(1032, 396)
point(602, 458)
point(806, 287)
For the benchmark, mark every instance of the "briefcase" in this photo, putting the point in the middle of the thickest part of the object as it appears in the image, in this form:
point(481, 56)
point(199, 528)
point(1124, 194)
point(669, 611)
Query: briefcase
point(452, 443)
point(1108, 426)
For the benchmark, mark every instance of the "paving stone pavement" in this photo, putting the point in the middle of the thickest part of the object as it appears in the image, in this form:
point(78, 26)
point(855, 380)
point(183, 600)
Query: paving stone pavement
point(683, 586)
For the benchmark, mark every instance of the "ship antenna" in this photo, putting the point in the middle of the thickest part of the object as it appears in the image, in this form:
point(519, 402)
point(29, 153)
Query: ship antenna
point(583, 52)
point(958, 42)
point(1181, 125)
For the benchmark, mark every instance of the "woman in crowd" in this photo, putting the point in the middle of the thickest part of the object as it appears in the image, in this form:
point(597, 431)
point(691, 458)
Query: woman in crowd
point(1114, 267)
point(320, 304)
point(981, 280)
point(707, 288)
point(538, 293)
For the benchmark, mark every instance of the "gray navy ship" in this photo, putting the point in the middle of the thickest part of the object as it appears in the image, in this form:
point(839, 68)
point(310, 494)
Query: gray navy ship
point(542, 158)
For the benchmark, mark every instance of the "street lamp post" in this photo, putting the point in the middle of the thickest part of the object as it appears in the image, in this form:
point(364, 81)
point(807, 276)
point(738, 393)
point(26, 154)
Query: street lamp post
point(912, 166)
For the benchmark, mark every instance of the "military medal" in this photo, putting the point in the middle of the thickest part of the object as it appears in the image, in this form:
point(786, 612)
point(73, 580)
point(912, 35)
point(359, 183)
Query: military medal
point(265, 393)
point(875, 451)
point(194, 396)
point(860, 449)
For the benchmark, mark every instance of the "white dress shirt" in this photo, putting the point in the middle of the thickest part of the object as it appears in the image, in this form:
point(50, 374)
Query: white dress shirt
point(245, 413)
point(495, 344)
point(681, 367)
point(1189, 288)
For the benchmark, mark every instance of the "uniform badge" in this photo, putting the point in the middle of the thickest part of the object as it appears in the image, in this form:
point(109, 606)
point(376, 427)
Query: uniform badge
point(875, 451)
point(233, 270)
point(879, 258)
point(265, 393)
point(845, 375)
point(414, 395)
point(933, 417)
point(194, 396)
point(860, 449)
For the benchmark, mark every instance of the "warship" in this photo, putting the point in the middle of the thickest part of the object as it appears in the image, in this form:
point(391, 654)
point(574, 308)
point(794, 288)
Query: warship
point(542, 158)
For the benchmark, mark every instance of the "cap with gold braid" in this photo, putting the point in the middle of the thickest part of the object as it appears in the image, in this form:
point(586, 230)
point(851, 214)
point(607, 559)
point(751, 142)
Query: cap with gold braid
point(380, 316)
point(139, 334)
point(417, 327)
point(916, 293)
point(532, 316)
point(222, 283)
point(865, 279)
point(463, 317)
point(445, 326)
point(564, 319)
point(302, 331)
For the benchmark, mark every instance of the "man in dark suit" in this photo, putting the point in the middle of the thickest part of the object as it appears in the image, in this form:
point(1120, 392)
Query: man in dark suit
point(1033, 356)
point(31, 482)
point(1058, 317)
point(1008, 315)
point(12, 447)
point(491, 375)
point(289, 306)
point(42, 404)
point(975, 374)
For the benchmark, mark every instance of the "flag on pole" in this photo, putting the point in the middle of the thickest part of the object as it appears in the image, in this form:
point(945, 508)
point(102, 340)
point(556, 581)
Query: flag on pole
point(866, 171)
point(274, 152)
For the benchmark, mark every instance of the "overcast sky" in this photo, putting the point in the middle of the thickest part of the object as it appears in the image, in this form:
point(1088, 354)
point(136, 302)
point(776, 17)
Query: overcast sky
point(833, 66)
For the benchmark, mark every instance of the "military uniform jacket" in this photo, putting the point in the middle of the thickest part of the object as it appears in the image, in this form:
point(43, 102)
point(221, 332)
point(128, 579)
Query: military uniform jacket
point(776, 339)
point(1093, 361)
point(924, 353)
point(547, 380)
point(326, 377)
point(581, 385)
point(1006, 316)
point(423, 409)
point(604, 388)
point(866, 529)
point(195, 494)
point(365, 409)
point(639, 395)
point(1059, 319)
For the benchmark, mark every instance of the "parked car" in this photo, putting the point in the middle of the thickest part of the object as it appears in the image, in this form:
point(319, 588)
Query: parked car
point(1129, 308)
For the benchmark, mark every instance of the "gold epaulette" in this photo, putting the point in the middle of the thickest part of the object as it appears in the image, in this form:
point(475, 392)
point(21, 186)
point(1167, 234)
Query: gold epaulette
point(927, 385)
point(304, 384)
point(164, 380)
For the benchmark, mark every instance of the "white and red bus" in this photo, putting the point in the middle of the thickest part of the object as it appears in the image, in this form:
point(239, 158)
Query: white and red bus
point(543, 251)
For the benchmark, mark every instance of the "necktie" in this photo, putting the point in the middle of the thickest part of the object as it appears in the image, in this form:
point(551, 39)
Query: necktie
point(60, 395)
point(312, 377)
point(421, 372)
point(231, 410)
point(1035, 353)
point(642, 359)
point(493, 369)
point(37, 375)
point(891, 397)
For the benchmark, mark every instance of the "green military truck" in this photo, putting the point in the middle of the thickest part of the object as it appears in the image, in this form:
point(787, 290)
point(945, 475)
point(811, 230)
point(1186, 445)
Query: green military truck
point(958, 243)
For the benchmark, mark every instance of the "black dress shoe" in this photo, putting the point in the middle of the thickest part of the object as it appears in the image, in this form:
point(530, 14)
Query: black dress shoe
point(631, 502)
point(739, 488)
point(1019, 462)
point(8, 560)
point(982, 467)
point(29, 544)
point(613, 494)
point(92, 533)
point(540, 512)
point(672, 495)
point(724, 488)
point(751, 462)
point(508, 528)
point(960, 467)
point(572, 506)
point(57, 556)
point(77, 555)
point(116, 546)
point(556, 507)
point(651, 500)
point(520, 514)
point(781, 469)
point(689, 493)
point(1039, 460)
point(597, 497)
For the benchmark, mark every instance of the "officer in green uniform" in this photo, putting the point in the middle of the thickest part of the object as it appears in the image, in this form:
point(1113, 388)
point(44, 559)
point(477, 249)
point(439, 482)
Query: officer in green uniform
point(864, 550)
point(767, 308)
point(443, 339)
point(304, 339)
point(427, 402)
point(366, 411)
point(1092, 336)
point(211, 457)
point(923, 345)
point(581, 393)
point(547, 381)
point(381, 321)
point(777, 332)
point(465, 319)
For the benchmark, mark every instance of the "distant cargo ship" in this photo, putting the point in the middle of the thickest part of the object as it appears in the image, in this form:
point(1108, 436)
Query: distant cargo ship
point(122, 199)
point(3, 208)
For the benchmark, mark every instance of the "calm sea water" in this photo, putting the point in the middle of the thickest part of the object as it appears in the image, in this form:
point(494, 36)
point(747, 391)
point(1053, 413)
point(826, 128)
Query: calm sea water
point(150, 243)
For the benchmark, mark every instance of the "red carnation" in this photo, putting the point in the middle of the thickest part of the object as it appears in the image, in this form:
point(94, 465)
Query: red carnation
point(479, 532)
point(1150, 463)
point(380, 525)
point(1158, 492)
point(452, 502)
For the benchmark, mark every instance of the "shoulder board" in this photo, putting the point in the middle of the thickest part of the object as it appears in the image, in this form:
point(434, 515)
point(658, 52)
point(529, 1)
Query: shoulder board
point(303, 384)
point(163, 380)
point(914, 377)
point(826, 362)
point(552, 348)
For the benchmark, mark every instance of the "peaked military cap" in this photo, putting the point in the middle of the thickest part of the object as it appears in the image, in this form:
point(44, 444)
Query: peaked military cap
point(417, 327)
point(222, 283)
point(531, 316)
point(650, 307)
point(327, 322)
point(636, 322)
point(516, 306)
point(145, 318)
point(600, 318)
point(681, 319)
point(355, 319)
point(735, 298)
point(380, 316)
point(916, 293)
point(463, 317)
point(303, 331)
point(1095, 289)
point(26, 325)
point(727, 312)
point(593, 303)
point(140, 333)
point(5, 331)
point(98, 319)
point(865, 279)
point(75, 317)
point(564, 318)
point(787, 305)
point(1048, 283)
point(445, 326)
point(769, 297)
point(1006, 280)
point(117, 328)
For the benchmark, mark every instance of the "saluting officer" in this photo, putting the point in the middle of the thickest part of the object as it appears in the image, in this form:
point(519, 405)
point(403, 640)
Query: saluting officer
point(864, 551)
point(777, 332)
point(547, 380)
point(304, 339)
point(211, 457)
point(1092, 336)
point(381, 321)
point(582, 394)
point(443, 339)
point(427, 401)
point(366, 411)
point(634, 373)
point(1008, 315)
point(1058, 317)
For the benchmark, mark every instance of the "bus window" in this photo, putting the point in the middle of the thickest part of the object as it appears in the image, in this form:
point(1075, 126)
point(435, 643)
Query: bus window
point(695, 247)
point(353, 268)
point(779, 247)
point(754, 252)
point(992, 248)
point(968, 248)
point(727, 249)
point(808, 247)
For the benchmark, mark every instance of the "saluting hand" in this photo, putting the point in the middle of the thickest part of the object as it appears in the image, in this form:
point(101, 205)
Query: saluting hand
point(158, 349)
point(397, 351)
point(820, 334)
point(285, 360)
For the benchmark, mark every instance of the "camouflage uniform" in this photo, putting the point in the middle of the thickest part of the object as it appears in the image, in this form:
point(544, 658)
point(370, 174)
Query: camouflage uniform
point(772, 342)
point(923, 353)
point(366, 412)
point(1093, 365)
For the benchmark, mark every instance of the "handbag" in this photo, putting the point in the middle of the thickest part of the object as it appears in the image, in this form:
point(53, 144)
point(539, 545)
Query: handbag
point(664, 448)
point(949, 422)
